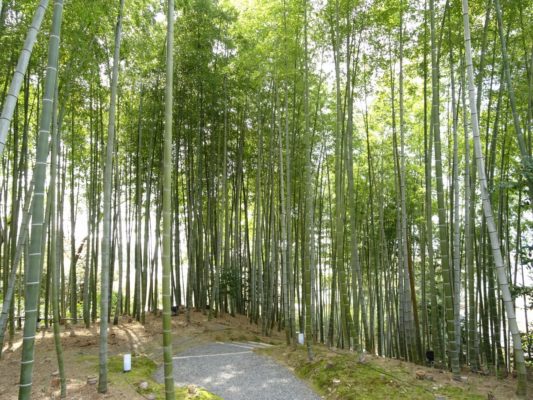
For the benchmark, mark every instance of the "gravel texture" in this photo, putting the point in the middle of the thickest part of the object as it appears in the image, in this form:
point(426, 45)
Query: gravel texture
point(234, 372)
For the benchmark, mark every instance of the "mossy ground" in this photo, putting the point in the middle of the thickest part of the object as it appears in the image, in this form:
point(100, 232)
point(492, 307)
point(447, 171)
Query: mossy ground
point(340, 375)
point(143, 369)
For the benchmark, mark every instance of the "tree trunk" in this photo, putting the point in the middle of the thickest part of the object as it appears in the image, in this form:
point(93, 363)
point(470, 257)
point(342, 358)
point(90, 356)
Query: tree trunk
point(33, 275)
point(106, 235)
point(167, 207)
point(443, 226)
point(487, 210)
point(54, 266)
point(18, 77)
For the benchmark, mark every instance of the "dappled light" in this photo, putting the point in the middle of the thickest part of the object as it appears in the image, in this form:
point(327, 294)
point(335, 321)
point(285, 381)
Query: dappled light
point(266, 199)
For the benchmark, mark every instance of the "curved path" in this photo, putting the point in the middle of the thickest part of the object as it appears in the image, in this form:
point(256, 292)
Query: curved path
point(233, 371)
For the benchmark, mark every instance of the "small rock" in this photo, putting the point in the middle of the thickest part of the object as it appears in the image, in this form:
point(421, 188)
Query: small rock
point(191, 389)
point(92, 380)
point(429, 377)
point(55, 373)
point(336, 381)
point(456, 379)
point(150, 396)
point(420, 374)
point(463, 379)
point(143, 385)
point(439, 397)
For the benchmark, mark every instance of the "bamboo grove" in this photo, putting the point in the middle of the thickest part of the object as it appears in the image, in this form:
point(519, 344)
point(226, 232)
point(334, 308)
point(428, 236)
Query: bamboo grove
point(359, 171)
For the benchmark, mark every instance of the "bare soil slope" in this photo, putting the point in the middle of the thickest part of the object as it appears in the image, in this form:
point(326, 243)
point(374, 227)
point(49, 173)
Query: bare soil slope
point(80, 347)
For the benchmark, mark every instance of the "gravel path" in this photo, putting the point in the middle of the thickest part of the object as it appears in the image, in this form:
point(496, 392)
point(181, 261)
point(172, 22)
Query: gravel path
point(234, 372)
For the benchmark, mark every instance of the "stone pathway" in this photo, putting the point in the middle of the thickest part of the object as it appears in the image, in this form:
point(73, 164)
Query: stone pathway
point(233, 371)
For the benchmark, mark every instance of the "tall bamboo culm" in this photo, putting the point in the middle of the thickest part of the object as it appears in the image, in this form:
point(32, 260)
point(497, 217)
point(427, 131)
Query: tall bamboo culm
point(33, 274)
point(167, 207)
point(106, 236)
point(501, 273)
point(18, 76)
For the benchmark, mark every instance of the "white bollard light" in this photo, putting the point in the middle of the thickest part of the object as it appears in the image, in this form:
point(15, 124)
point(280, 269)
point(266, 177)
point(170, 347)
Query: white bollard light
point(300, 338)
point(127, 362)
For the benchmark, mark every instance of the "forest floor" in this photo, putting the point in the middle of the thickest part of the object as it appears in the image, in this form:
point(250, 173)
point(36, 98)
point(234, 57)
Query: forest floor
point(333, 374)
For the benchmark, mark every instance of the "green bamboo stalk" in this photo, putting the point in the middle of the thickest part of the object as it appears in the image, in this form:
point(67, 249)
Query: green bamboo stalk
point(284, 256)
point(53, 252)
point(408, 309)
point(469, 251)
point(18, 76)
point(346, 320)
point(525, 157)
point(456, 241)
point(308, 235)
point(443, 226)
point(167, 206)
point(33, 273)
point(428, 156)
point(487, 210)
point(357, 275)
point(21, 241)
point(106, 237)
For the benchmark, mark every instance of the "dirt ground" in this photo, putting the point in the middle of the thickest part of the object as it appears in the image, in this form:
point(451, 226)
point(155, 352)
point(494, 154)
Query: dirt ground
point(80, 347)
point(80, 352)
point(503, 388)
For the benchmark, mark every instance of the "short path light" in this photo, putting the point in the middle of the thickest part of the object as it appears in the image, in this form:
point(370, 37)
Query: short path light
point(300, 338)
point(127, 362)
